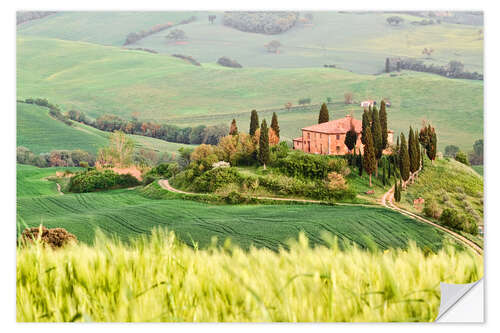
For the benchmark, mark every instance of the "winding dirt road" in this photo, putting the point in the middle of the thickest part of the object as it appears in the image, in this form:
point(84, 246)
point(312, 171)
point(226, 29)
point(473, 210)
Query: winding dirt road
point(386, 201)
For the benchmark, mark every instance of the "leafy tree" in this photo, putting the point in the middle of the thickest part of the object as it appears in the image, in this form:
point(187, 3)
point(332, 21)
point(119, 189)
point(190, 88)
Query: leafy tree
point(351, 137)
point(365, 125)
point(119, 151)
point(254, 122)
point(404, 159)
point(383, 124)
point(273, 46)
point(323, 114)
point(395, 20)
point(369, 161)
point(462, 158)
point(451, 151)
point(176, 34)
point(233, 130)
point(476, 156)
point(274, 125)
point(264, 144)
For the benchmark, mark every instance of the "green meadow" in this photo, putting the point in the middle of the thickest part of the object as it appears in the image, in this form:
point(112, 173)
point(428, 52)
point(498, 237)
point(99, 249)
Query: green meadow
point(101, 79)
point(131, 213)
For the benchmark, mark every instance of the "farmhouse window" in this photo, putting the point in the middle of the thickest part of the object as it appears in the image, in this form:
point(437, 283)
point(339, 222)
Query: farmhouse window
point(338, 149)
point(338, 136)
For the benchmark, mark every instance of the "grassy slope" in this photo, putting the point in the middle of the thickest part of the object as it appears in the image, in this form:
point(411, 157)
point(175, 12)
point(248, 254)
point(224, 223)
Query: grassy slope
point(479, 169)
point(98, 79)
point(107, 28)
point(40, 133)
point(127, 213)
point(362, 48)
point(458, 181)
point(31, 182)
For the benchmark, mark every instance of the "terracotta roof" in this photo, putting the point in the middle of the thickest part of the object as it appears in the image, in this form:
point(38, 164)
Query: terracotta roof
point(337, 126)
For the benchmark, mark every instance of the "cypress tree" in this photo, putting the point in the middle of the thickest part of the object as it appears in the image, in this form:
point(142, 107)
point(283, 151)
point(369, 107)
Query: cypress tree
point(233, 130)
point(417, 149)
point(377, 137)
point(433, 146)
point(412, 152)
point(323, 114)
point(254, 122)
point(384, 175)
point(369, 162)
point(396, 190)
point(365, 125)
point(274, 125)
point(360, 164)
point(404, 159)
point(370, 113)
point(383, 124)
point(350, 138)
point(264, 144)
point(422, 157)
point(387, 67)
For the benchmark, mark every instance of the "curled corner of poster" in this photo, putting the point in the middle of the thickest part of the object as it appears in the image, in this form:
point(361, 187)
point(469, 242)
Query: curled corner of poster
point(462, 303)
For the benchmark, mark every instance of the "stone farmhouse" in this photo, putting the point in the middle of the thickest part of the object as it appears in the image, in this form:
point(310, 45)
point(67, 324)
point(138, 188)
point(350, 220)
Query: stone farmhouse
point(328, 138)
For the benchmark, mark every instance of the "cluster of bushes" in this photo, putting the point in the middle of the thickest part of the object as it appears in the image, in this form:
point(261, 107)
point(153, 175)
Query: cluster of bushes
point(189, 135)
point(55, 237)
point(161, 171)
point(225, 61)
point(454, 69)
point(54, 110)
point(452, 218)
point(22, 17)
point(96, 180)
point(309, 166)
point(187, 58)
point(61, 158)
point(261, 22)
point(135, 36)
point(426, 22)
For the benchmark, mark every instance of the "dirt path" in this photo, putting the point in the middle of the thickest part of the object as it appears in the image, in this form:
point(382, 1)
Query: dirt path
point(386, 201)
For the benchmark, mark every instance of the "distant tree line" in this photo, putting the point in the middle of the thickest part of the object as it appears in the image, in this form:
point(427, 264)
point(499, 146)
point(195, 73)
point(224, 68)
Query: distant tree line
point(54, 110)
point(454, 69)
point(56, 158)
point(475, 157)
point(187, 58)
point(269, 23)
point(135, 36)
point(167, 132)
point(22, 17)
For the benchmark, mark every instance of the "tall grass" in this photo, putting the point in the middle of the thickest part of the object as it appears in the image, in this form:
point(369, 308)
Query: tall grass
point(160, 279)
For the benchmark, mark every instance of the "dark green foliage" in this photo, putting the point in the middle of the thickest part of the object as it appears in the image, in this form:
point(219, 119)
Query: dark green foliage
point(350, 138)
point(161, 171)
point(274, 125)
point(54, 110)
point(462, 158)
point(412, 152)
point(476, 156)
point(94, 180)
point(324, 117)
point(369, 161)
point(377, 134)
point(397, 191)
point(310, 166)
point(417, 150)
point(387, 65)
point(214, 179)
point(428, 139)
point(365, 124)
point(451, 151)
point(384, 174)
point(254, 122)
point(64, 158)
point(264, 144)
point(360, 164)
point(404, 159)
point(383, 124)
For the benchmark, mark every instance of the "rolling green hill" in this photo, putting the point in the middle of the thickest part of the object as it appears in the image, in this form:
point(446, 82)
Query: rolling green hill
point(361, 48)
point(99, 79)
point(127, 213)
point(41, 133)
point(100, 27)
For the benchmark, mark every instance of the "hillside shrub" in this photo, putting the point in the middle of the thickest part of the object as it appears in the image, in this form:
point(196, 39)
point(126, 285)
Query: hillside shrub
point(309, 166)
point(214, 179)
point(187, 58)
point(95, 180)
point(431, 209)
point(55, 237)
point(462, 158)
point(226, 62)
